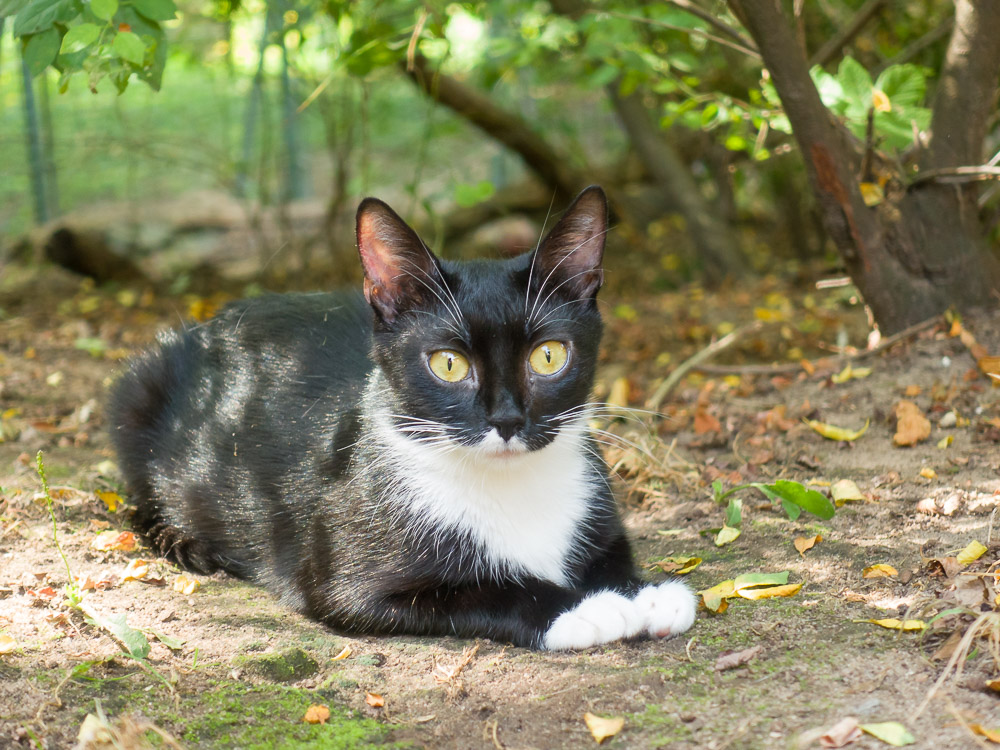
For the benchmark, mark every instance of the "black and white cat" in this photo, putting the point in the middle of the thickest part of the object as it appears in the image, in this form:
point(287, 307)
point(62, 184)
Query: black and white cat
point(419, 462)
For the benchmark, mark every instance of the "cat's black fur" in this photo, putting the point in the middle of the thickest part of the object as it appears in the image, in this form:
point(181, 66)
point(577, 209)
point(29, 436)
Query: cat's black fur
point(250, 443)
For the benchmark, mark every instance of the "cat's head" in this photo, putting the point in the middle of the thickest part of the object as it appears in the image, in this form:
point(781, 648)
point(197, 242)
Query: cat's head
point(496, 356)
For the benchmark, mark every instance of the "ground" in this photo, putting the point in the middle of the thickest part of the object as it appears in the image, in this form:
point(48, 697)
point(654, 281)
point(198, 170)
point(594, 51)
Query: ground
point(229, 667)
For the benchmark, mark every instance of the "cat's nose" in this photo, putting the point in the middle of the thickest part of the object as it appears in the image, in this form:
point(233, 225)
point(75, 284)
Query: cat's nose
point(507, 426)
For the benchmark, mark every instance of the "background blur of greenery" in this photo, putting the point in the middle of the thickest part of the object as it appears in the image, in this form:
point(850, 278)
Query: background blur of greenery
point(328, 112)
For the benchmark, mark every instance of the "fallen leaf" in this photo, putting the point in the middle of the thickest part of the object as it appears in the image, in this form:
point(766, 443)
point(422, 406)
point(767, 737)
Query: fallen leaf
point(832, 432)
point(912, 426)
point(912, 391)
point(943, 566)
point(731, 659)
point(946, 649)
point(972, 552)
point(602, 728)
point(891, 732)
point(316, 714)
point(845, 491)
point(928, 473)
point(110, 540)
point(344, 653)
point(134, 641)
point(769, 592)
point(893, 624)
point(618, 394)
point(726, 535)
point(715, 597)
point(879, 571)
point(805, 543)
point(174, 644)
point(374, 700)
point(705, 422)
point(111, 499)
point(679, 566)
point(993, 735)
point(945, 442)
point(135, 570)
point(850, 373)
point(7, 643)
point(993, 685)
point(186, 584)
point(928, 506)
point(844, 732)
point(970, 591)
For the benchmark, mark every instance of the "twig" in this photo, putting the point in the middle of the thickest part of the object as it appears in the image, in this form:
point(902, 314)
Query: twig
point(411, 48)
point(692, 362)
point(791, 367)
point(715, 22)
point(749, 51)
point(829, 50)
point(953, 710)
point(956, 174)
point(490, 732)
point(908, 53)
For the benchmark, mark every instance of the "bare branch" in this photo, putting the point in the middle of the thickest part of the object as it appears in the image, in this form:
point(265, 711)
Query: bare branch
point(748, 50)
point(713, 21)
point(833, 46)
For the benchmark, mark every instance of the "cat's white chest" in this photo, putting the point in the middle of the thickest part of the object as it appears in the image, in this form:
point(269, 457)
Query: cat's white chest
point(523, 512)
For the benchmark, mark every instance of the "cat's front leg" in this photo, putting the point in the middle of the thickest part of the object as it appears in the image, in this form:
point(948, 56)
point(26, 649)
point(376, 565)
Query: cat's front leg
point(601, 617)
point(666, 609)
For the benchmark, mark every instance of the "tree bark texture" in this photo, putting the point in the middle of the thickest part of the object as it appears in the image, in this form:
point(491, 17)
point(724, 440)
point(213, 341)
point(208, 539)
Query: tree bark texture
point(920, 251)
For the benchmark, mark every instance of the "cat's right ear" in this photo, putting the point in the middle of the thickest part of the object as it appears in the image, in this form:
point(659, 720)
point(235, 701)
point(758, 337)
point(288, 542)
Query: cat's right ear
point(399, 268)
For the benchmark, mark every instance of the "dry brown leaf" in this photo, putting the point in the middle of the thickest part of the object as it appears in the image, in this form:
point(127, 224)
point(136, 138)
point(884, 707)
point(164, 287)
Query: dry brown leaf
point(602, 728)
point(113, 540)
point(970, 591)
point(705, 422)
point(374, 700)
point(912, 426)
point(844, 732)
point(805, 543)
point(731, 659)
point(879, 571)
point(316, 714)
point(946, 649)
point(186, 584)
point(944, 566)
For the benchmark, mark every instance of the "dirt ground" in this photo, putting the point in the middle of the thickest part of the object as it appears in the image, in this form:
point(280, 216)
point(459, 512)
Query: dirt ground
point(228, 667)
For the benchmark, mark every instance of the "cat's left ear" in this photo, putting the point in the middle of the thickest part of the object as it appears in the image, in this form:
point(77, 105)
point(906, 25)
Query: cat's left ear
point(400, 271)
point(569, 258)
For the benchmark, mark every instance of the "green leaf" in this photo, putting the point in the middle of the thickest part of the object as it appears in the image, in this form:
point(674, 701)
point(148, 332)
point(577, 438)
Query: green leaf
point(11, 7)
point(891, 732)
point(734, 512)
point(39, 15)
point(79, 37)
point(792, 510)
point(809, 500)
point(760, 579)
point(128, 46)
point(856, 82)
point(717, 490)
point(104, 9)
point(40, 50)
point(905, 85)
point(156, 10)
point(726, 535)
point(174, 644)
point(469, 195)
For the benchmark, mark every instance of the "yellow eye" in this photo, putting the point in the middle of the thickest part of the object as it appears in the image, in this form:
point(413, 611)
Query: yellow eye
point(448, 365)
point(548, 358)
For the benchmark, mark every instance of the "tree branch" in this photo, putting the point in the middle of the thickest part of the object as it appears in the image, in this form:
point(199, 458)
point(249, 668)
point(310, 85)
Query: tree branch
point(506, 127)
point(971, 67)
point(833, 46)
point(915, 48)
point(746, 49)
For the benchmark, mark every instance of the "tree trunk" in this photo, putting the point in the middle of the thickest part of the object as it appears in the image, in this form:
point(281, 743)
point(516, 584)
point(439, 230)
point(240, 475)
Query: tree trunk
point(920, 250)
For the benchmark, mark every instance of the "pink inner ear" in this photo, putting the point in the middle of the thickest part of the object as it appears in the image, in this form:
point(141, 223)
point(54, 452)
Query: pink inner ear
point(376, 255)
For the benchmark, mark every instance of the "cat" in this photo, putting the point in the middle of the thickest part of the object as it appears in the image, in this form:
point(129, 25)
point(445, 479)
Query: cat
point(416, 459)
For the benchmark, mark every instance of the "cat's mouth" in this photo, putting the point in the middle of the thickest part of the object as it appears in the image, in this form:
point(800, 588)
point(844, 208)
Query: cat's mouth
point(494, 446)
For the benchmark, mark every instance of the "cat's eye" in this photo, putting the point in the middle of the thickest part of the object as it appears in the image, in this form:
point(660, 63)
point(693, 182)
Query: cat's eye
point(548, 358)
point(448, 365)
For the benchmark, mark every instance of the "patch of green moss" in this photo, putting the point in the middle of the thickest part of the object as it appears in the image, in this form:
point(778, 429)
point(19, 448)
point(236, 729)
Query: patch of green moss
point(280, 666)
point(265, 717)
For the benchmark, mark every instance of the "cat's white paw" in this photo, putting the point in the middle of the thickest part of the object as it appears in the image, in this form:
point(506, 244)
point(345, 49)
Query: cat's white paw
point(667, 609)
point(600, 618)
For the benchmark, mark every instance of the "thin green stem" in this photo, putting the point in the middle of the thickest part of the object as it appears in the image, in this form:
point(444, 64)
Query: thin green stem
point(40, 465)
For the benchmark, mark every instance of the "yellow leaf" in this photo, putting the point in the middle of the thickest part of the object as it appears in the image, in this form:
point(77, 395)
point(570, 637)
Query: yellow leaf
point(374, 700)
point(618, 397)
point(715, 597)
point(893, 624)
point(993, 735)
point(343, 654)
point(679, 566)
point(768, 316)
point(186, 585)
point(111, 499)
point(871, 193)
point(806, 543)
point(879, 571)
point(602, 728)
point(972, 552)
point(135, 570)
point(316, 714)
point(928, 473)
point(767, 592)
point(946, 441)
point(832, 432)
point(845, 491)
point(7, 643)
point(849, 373)
point(726, 535)
point(880, 101)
